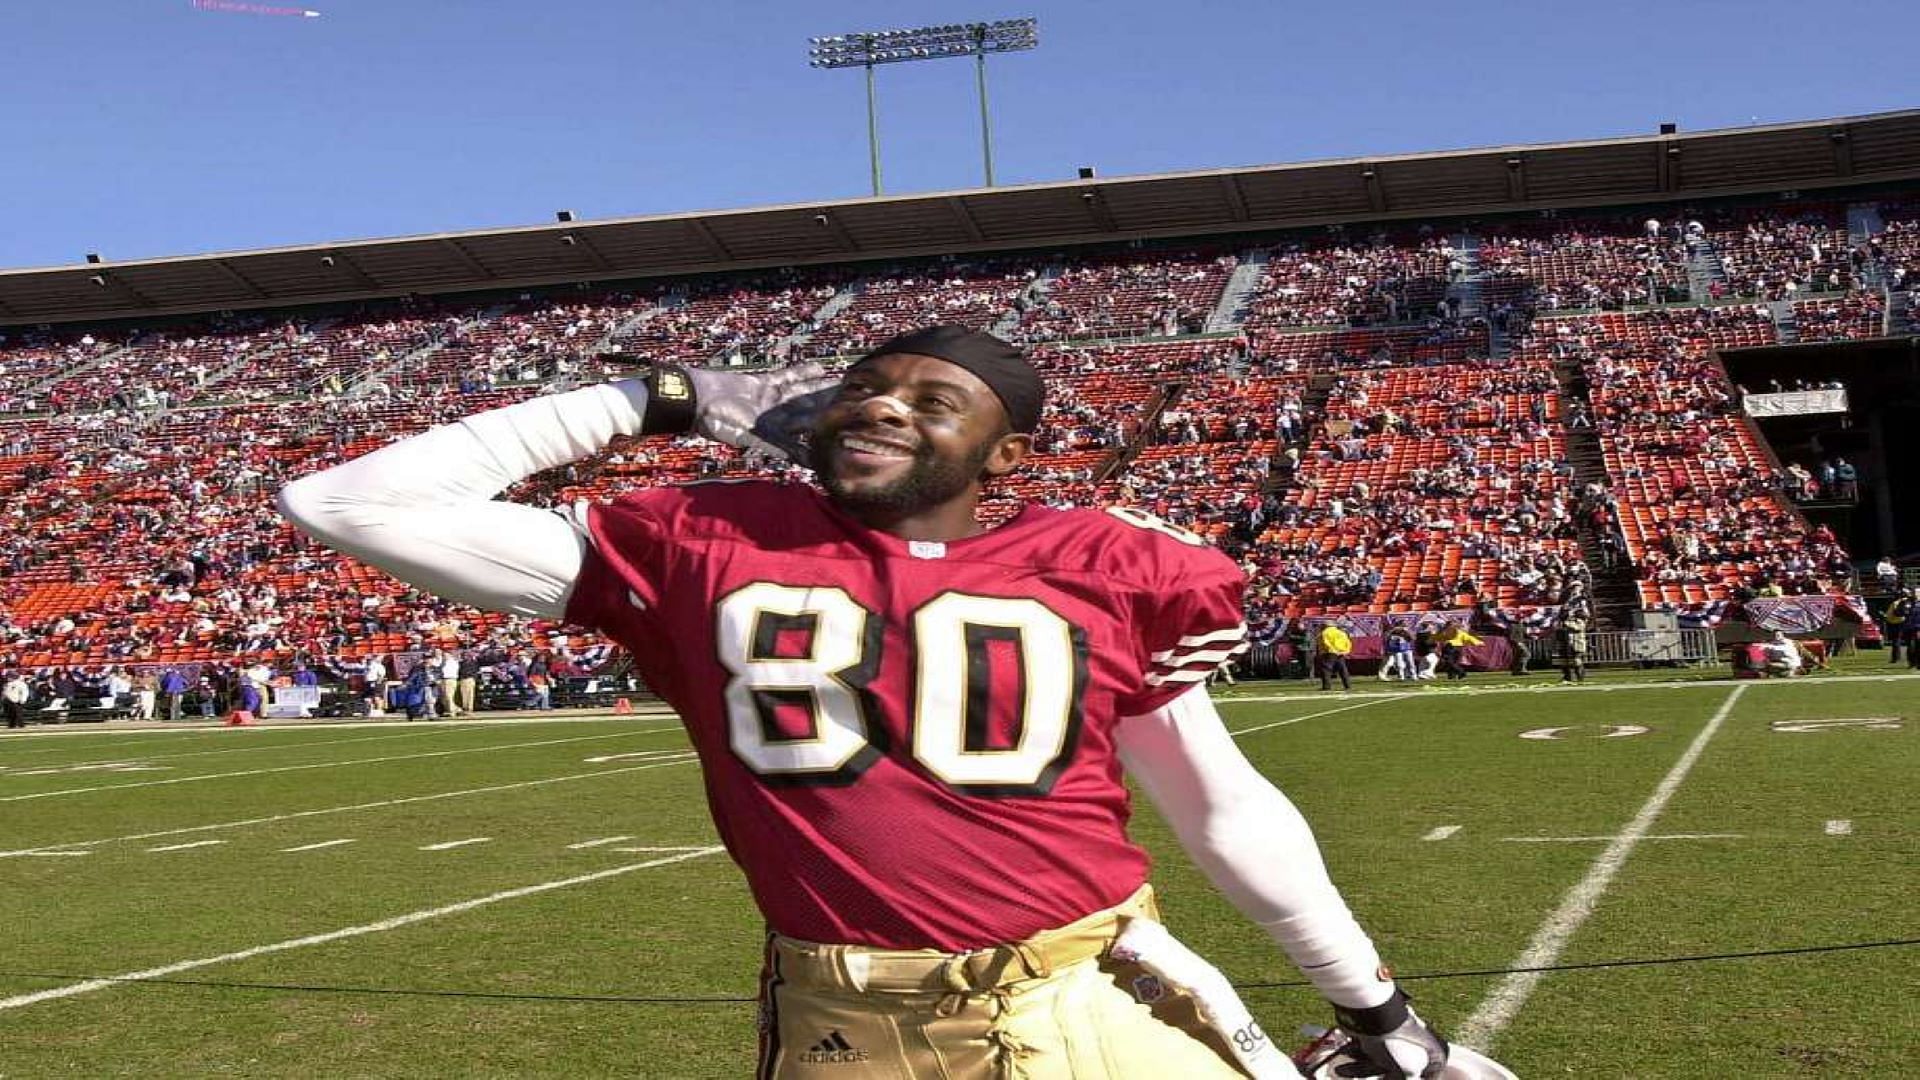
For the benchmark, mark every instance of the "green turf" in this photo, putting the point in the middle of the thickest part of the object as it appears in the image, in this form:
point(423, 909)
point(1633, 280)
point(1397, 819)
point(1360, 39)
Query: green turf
point(478, 991)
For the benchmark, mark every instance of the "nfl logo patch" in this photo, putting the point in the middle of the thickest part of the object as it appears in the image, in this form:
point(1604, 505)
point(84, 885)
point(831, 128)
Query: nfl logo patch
point(1149, 989)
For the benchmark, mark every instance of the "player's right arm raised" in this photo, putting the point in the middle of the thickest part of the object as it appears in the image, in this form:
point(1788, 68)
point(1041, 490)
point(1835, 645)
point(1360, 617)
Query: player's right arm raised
point(423, 508)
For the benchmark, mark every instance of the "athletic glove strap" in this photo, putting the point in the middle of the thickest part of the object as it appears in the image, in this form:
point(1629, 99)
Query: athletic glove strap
point(1378, 1020)
point(670, 401)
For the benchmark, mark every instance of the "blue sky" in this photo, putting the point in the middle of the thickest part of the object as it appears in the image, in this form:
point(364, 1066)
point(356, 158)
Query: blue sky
point(142, 128)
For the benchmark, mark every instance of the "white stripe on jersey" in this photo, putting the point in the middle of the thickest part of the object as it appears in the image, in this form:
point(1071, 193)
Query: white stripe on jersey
point(1188, 642)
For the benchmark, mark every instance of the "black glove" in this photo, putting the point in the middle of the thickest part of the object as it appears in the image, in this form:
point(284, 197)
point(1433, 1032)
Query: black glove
point(1389, 1040)
point(771, 411)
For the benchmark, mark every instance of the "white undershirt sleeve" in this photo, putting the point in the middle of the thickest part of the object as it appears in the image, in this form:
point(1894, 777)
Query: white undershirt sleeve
point(1251, 842)
point(422, 509)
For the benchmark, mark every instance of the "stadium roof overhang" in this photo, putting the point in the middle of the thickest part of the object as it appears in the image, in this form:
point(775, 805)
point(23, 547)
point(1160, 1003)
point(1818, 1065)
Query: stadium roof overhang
point(1845, 151)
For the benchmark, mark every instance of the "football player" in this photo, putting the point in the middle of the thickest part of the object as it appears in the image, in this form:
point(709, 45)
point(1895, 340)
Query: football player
point(912, 727)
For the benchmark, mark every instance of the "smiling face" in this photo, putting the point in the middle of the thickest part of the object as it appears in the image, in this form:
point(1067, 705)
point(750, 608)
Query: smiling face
point(907, 442)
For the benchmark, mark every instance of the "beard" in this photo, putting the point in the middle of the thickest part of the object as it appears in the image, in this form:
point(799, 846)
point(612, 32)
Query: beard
point(928, 482)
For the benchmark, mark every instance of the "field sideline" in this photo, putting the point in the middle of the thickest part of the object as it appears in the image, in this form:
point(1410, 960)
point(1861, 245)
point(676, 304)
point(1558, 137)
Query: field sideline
point(544, 896)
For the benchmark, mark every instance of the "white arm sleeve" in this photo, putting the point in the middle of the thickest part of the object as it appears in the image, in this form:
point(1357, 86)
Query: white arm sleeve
point(422, 509)
point(1251, 843)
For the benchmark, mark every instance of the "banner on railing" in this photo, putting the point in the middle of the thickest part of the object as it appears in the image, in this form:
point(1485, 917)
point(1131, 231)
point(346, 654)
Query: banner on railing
point(1803, 614)
point(1797, 403)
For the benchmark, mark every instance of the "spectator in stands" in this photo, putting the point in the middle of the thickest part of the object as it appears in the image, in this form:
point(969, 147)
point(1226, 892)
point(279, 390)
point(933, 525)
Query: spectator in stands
point(1847, 480)
point(1398, 660)
point(1908, 626)
point(1332, 648)
point(1572, 634)
point(416, 692)
point(374, 672)
point(146, 694)
point(14, 695)
point(1454, 640)
point(1520, 646)
point(1887, 573)
point(173, 683)
point(468, 676)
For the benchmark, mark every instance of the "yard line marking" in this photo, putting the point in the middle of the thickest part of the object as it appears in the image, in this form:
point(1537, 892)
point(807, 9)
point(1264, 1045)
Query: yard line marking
point(649, 850)
point(183, 847)
point(1504, 1002)
point(1839, 827)
point(288, 744)
point(1555, 688)
point(1442, 832)
point(1600, 839)
point(91, 985)
point(318, 846)
point(380, 804)
point(1317, 715)
point(597, 843)
point(52, 854)
point(316, 765)
point(456, 843)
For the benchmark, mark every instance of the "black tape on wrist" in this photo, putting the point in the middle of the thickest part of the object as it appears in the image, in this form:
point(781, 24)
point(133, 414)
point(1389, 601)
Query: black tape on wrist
point(1378, 1020)
point(669, 401)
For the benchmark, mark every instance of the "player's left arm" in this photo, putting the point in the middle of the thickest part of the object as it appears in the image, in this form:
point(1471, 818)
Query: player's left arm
point(1257, 849)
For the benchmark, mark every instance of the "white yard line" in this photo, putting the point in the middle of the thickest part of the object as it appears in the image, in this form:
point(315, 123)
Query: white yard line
point(1317, 715)
point(183, 847)
point(314, 765)
point(653, 850)
point(1505, 1000)
point(1840, 827)
point(1442, 832)
point(450, 844)
point(1441, 693)
point(1610, 839)
point(91, 985)
point(289, 745)
point(377, 805)
point(597, 843)
point(318, 846)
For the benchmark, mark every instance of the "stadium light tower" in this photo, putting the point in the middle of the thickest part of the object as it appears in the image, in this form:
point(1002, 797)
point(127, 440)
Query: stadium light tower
point(867, 49)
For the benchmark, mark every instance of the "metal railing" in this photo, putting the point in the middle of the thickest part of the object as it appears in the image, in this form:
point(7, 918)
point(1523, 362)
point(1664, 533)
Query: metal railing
point(1651, 646)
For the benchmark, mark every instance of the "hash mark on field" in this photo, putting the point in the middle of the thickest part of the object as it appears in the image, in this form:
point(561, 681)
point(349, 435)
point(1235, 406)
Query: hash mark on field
point(318, 846)
point(183, 847)
point(90, 985)
point(651, 850)
point(1442, 832)
point(45, 854)
point(597, 843)
point(1840, 827)
point(456, 843)
point(1505, 1000)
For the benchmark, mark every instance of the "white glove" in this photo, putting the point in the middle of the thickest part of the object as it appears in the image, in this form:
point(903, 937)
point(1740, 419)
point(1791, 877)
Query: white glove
point(770, 411)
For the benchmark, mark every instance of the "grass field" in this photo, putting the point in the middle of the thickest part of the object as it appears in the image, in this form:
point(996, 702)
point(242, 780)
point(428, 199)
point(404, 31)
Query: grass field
point(450, 899)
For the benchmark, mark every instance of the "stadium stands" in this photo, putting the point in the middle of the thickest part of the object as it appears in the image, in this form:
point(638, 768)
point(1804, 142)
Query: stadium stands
point(1360, 439)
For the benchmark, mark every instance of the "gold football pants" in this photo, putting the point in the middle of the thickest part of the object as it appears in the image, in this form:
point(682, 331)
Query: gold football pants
point(1052, 1007)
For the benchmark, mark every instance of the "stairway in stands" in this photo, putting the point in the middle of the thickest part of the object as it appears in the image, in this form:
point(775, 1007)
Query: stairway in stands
point(1615, 593)
point(1230, 313)
point(1785, 326)
point(1864, 222)
point(1900, 320)
point(793, 343)
point(1704, 270)
point(1469, 288)
point(1034, 296)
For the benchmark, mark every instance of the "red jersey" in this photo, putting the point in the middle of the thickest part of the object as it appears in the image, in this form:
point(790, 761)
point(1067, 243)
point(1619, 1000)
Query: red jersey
point(909, 744)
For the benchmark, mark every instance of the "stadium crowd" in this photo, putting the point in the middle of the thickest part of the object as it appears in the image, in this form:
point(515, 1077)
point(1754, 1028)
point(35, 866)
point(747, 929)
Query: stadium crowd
point(1384, 461)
